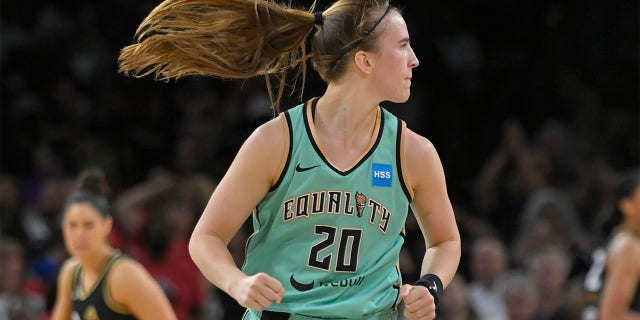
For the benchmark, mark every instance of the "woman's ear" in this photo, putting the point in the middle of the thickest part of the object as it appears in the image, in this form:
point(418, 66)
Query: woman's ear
point(108, 224)
point(364, 62)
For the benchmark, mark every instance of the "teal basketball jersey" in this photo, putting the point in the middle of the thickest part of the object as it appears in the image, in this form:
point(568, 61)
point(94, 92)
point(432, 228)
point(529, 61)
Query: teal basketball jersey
point(332, 237)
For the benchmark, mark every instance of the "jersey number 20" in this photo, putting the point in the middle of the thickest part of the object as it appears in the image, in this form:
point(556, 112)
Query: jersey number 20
point(348, 248)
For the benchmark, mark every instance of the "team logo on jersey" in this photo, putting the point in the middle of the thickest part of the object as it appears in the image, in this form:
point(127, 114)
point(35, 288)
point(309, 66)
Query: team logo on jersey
point(91, 314)
point(361, 201)
point(346, 283)
point(300, 286)
point(303, 169)
point(381, 175)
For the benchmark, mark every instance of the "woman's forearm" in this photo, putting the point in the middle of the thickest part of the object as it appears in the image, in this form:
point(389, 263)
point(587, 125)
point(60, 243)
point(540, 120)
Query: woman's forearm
point(442, 260)
point(211, 255)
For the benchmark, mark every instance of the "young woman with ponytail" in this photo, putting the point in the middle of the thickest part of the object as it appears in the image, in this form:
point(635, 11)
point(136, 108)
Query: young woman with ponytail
point(328, 183)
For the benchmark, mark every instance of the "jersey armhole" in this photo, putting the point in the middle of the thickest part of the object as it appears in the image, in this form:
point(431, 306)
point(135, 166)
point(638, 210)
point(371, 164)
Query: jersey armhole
point(404, 178)
point(286, 156)
point(75, 280)
point(106, 290)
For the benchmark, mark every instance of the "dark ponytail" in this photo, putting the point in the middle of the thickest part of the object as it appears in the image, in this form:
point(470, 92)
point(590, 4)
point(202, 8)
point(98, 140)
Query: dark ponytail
point(625, 185)
point(92, 188)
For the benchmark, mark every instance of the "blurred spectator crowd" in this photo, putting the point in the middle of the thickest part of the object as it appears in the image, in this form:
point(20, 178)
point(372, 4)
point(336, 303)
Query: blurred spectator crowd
point(533, 107)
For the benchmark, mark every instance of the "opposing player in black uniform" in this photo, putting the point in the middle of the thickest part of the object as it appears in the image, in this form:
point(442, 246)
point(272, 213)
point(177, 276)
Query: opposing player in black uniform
point(620, 298)
point(98, 282)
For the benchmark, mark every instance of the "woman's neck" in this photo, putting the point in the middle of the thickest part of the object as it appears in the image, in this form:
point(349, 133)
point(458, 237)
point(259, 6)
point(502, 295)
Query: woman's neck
point(345, 122)
point(95, 263)
point(346, 107)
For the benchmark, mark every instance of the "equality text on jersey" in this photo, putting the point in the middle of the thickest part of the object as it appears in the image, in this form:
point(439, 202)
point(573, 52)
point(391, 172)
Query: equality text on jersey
point(334, 202)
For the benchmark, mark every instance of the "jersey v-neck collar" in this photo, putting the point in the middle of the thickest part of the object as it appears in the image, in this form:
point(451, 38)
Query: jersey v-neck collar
point(309, 115)
point(83, 294)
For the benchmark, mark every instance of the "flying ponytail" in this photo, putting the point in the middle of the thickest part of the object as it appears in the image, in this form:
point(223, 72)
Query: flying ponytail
point(240, 39)
point(230, 39)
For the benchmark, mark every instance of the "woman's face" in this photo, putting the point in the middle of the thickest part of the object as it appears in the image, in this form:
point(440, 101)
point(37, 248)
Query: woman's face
point(85, 230)
point(394, 60)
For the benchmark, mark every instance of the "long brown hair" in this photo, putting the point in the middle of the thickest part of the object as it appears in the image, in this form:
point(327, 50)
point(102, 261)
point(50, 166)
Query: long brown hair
point(240, 39)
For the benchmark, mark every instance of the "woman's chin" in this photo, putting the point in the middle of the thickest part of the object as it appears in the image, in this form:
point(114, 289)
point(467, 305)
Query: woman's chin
point(401, 99)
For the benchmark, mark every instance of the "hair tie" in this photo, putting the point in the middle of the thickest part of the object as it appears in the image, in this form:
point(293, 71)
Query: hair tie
point(318, 18)
point(375, 25)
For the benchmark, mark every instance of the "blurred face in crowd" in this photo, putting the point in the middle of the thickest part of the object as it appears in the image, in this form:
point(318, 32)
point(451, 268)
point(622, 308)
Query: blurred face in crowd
point(550, 271)
point(85, 230)
point(12, 266)
point(521, 301)
point(455, 297)
point(488, 262)
point(10, 200)
point(537, 235)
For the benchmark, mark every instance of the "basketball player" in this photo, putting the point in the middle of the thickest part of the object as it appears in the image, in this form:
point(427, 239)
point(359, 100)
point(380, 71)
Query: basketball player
point(330, 182)
point(98, 282)
point(620, 297)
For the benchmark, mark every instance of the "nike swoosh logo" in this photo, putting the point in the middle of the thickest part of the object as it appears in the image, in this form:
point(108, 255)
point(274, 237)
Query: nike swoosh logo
point(301, 286)
point(303, 169)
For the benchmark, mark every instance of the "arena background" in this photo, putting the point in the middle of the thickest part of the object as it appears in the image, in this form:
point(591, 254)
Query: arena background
point(564, 72)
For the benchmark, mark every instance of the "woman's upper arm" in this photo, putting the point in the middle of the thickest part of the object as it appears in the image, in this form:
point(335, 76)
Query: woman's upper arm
point(134, 288)
point(64, 304)
point(431, 204)
point(253, 172)
point(622, 277)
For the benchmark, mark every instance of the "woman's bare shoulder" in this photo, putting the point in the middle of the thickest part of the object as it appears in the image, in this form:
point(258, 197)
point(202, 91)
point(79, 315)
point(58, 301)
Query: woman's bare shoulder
point(68, 267)
point(417, 145)
point(418, 149)
point(269, 135)
point(625, 246)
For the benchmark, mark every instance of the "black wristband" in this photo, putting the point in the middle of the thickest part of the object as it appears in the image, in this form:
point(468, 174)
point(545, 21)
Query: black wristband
point(433, 283)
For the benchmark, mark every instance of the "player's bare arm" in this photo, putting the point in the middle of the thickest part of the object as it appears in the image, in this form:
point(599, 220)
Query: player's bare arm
point(252, 173)
point(432, 208)
point(133, 288)
point(63, 306)
point(622, 265)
